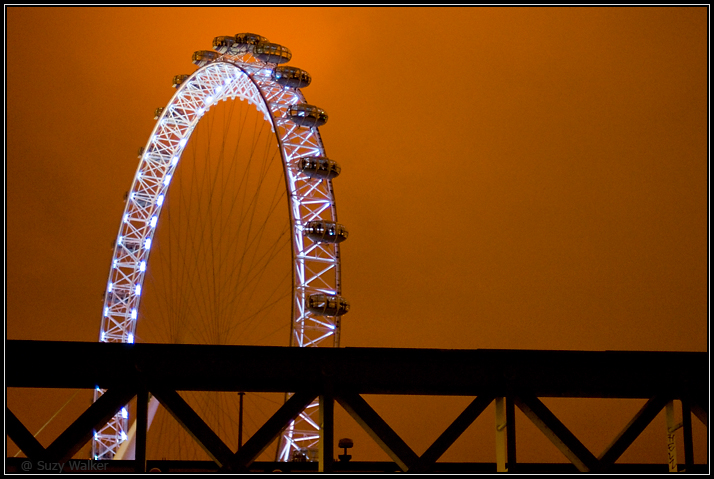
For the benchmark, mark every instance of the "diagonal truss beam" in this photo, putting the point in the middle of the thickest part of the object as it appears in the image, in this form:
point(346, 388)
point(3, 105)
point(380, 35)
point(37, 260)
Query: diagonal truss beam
point(22, 437)
point(81, 430)
point(557, 433)
point(633, 429)
point(270, 430)
point(378, 430)
point(193, 424)
point(452, 433)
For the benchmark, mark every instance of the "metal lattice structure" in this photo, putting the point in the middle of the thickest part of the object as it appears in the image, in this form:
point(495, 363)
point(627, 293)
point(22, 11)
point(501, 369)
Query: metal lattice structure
point(316, 304)
point(524, 380)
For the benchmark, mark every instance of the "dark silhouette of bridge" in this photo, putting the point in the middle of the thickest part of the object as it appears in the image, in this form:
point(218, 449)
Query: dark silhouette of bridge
point(511, 378)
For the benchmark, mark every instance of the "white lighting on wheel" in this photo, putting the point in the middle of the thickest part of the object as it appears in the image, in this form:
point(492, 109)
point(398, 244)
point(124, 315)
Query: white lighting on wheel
point(224, 81)
point(109, 289)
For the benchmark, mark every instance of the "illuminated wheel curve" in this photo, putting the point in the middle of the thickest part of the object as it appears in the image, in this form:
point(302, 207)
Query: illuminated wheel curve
point(316, 286)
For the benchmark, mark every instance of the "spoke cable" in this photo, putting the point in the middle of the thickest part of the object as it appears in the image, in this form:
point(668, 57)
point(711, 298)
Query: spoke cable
point(215, 250)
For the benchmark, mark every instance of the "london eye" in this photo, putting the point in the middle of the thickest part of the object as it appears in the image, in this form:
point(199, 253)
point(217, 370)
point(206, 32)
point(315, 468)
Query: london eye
point(231, 219)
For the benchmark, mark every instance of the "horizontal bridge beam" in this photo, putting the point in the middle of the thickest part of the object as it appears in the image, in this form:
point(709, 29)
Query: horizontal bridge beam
point(601, 374)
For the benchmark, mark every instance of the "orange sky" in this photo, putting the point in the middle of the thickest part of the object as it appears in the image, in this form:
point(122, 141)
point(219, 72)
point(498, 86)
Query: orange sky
point(525, 178)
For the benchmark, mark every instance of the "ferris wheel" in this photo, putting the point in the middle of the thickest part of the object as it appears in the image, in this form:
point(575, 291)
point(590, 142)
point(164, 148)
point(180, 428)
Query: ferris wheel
point(248, 68)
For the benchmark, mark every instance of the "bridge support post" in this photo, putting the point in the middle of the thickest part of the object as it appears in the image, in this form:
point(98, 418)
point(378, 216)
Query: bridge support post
point(501, 435)
point(327, 432)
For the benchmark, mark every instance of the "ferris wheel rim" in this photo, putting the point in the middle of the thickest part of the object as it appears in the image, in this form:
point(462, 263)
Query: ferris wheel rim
point(161, 156)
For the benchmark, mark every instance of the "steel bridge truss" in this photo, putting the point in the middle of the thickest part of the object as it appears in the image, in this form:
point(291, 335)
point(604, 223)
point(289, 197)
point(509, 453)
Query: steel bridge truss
point(511, 379)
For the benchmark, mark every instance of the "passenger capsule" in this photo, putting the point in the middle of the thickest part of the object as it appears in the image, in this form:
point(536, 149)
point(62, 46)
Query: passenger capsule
point(272, 53)
point(203, 57)
point(327, 304)
point(322, 231)
point(318, 167)
point(223, 43)
point(178, 80)
point(243, 43)
point(291, 77)
point(303, 114)
point(141, 151)
point(158, 112)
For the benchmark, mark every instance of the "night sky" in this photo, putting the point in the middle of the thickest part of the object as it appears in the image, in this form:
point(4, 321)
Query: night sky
point(512, 178)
